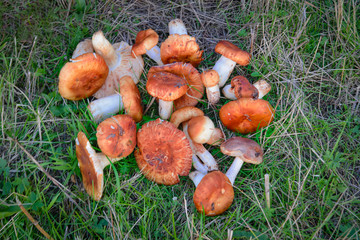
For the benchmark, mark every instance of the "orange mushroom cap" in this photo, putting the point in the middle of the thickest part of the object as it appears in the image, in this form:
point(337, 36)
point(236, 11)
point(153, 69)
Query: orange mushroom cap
point(164, 152)
point(82, 77)
point(116, 136)
point(231, 51)
point(242, 88)
point(181, 48)
point(131, 98)
point(145, 40)
point(246, 115)
point(214, 194)
point(210, 78)
point(185, 114)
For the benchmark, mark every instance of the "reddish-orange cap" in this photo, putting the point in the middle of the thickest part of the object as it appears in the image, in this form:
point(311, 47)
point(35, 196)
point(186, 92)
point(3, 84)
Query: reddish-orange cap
point(164, 152)
point(214, 194)
point(242, 88)
point(82, 77)
point(165, 86)
point(180, 48)
point(230, 51)
point(210, 78)
point(116, 136)
point(246, 115)
point(145, 40)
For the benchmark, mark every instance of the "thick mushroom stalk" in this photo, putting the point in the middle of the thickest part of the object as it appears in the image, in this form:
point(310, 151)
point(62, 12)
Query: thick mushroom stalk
point(210, 79)
point(154, 54)
point(103, 47)
point(262, 86)
point(196, 177)
point(224, 67)
point(177, 26)
point(105, 107)
point(244, 150)
point(165, 109)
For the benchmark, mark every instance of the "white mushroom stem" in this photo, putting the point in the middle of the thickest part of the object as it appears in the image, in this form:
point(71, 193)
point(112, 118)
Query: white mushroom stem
point(207, 159)
point(105, 107)
point(262, 86)
point(196, 177)
point(198, 165)
point(165, 109)
point(224, 68)
point(104, 48)
point(234, 169)
point(213, 94)
point(154, 54)
point(177, 26)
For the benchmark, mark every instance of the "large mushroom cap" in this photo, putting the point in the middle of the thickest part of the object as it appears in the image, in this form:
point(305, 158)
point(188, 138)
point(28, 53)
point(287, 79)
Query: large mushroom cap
point(214, 194)
point(145, 40)
point(131, 98)
point(246, 115)
point(242, 88)
point(231, 51)
point(195, 88)
point(83, 76)
point(116, 136)
point(164, 152)
point(248, 150)
point(180, 48)
point(91, 172)
point(165, 86)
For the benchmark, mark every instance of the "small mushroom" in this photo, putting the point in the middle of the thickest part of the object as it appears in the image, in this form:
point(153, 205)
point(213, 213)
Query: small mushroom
point(245, 89)
point(231, 55)
point(91, 165)
point(244, 150)
point(116, 136)
point(200, 129)
point(146, 43)
point(164, 152)
point(128, 99)
point(210, 79)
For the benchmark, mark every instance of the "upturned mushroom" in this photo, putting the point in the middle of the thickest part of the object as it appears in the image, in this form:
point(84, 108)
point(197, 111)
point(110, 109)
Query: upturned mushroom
point(242, 88)
point(244, 150)
point(146, 43)
point(180, 47)
point(210, 79)
point(116, 136)
point(127, 99)
point(83, 76)
point(91, 165)
point(83, 47)
point(231, 55)
point(164, 152)
point(120, 61)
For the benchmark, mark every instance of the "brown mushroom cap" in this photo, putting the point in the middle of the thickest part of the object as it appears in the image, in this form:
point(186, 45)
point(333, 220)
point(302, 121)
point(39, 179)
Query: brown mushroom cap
point(92, 175)
point(242, 88)
point(210, 78)
point(185, 114)
point(165, 86)
point(82, 77)
point(145, 40)
point(214, 194)
point(248, 150)
point(180, 48)
point(230, 51)
point(131, 98)
point(195, 89)
point(164, 152)
point(116, 136)
point(246, 115)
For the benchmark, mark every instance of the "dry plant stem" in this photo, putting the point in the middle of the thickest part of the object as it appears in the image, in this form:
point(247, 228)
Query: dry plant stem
point(262, 86)
point(105, 107)
point(154, 54)
point(104, 48)
point(165, 109)
point(207, 159)
point(196, 177)
point(234, 169)
point(177, 26)
point(267, 190)
point(33, 221)
point(224, 68)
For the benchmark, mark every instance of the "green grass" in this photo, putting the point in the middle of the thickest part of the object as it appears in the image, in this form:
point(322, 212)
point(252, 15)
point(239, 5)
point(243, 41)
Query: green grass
point(309, 52)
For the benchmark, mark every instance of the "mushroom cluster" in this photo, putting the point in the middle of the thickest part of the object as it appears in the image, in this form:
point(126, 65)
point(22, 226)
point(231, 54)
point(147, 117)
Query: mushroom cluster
point(165, 150)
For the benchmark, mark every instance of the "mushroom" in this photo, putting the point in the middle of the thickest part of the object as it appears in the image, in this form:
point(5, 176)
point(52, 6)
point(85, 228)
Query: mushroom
point(83, 47)
point(180, 47)
point(200, 129)
point(231, 55)
point(164, 152)
point(91, 165)
point(243, 88)
point(246, 115)
point(167, 87)
point(195, 88)
point(244, 150)
point(83, 76)
point(120, 61)
point(210, 79)
point(146, 42)
point(128, 98)
point(216, 138)
point(116, 136)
